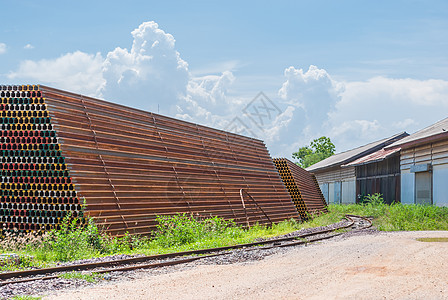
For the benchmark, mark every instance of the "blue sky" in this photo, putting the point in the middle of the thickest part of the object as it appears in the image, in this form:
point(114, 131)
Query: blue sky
point(389, 57)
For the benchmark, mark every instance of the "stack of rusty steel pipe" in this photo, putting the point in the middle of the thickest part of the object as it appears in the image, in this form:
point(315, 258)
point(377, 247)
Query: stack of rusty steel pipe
point(302, 187)
point(128, 166)
point(36, 188)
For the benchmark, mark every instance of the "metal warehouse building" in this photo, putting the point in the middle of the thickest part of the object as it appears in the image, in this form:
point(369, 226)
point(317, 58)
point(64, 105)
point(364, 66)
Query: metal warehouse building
point(360, 171)
point(424, 165)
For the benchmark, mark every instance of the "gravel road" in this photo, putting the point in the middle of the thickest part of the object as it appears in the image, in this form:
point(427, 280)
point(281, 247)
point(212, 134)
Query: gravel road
point(357, 266)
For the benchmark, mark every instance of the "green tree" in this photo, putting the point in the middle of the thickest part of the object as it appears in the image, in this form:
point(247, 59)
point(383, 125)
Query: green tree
point(318, 150)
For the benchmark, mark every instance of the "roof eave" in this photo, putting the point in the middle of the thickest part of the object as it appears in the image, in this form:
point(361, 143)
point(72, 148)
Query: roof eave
point(384, 144)
point(353, 158)
point(425, 140)
point(373, 161)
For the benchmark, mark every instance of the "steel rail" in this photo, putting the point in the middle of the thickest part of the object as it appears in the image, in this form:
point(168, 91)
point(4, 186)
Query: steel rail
point(171, 263)
point(90, 266)
point(370, 224)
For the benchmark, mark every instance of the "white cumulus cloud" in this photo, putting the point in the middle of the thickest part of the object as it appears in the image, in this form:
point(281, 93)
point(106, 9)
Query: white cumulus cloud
point(28, 47)
point(2, 48)
point(151, 71)
point(148, 75)
point(351, 113)
point(206, 100)
point(77, 72)
point(308, 104)
point(309, 96)
point(404, 124)
point(395, 105)
point(357, 132)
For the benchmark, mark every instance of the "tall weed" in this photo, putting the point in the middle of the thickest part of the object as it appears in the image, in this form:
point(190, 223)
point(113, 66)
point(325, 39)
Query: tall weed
point(415, 217)
point(181, 229)
point(393, 217)
point(80, 239)
point(74, 240)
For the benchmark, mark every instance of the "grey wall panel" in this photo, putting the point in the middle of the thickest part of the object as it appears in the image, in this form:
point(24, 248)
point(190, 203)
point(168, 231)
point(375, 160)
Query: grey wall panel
point(423, 188)
point(435, 154)
point(349, 191)
point(324, 189)
point(407, 187)
point(440, 184)
point(331, 193)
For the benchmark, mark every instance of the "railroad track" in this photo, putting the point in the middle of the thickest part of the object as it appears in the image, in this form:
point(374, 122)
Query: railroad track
point(170, 259)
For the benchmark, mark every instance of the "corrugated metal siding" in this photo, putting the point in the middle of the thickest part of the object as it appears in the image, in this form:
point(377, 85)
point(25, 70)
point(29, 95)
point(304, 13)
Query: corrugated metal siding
point(341, 184)
point(440, 186)
point(336, 174)
point(380, 177)
point(435, 154)
point(440, 153)
point(331, 198)
point(348, 192)
point(407, 187)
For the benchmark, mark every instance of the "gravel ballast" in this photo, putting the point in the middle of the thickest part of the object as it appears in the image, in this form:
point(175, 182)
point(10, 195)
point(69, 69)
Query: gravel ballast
point(371, 265)
point(42, 287)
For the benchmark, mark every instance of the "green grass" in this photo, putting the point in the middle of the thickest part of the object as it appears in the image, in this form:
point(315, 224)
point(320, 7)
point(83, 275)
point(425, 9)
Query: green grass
point(394, 217)
point(89, 277)
point(25, 261)
point(25, 298)
point(433, 240)
point(83, 239)
point(174, 235)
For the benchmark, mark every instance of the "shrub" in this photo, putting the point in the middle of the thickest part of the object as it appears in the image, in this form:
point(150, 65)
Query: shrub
point(375, 199)
point(184, 229)
point(74, 240)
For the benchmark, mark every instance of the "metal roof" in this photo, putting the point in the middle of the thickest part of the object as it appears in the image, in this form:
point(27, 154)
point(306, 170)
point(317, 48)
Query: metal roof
point(351, 155)
point(374, 157)
point(433, 132)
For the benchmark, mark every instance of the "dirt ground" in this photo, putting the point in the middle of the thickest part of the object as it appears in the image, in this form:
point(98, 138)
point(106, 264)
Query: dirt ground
point(378, 266)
